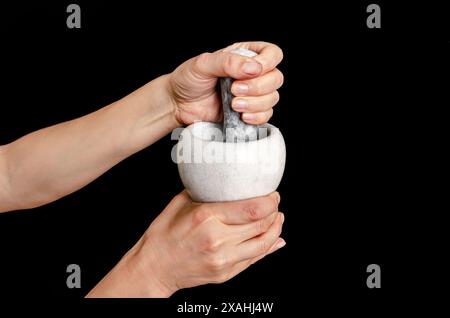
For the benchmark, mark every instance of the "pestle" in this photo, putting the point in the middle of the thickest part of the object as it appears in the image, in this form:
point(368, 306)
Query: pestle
point(229, 161)
point(234, 129)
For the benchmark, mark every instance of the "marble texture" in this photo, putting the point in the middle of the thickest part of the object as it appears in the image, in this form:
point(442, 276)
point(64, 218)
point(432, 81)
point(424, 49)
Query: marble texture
point(235, 130)
point(229, 171)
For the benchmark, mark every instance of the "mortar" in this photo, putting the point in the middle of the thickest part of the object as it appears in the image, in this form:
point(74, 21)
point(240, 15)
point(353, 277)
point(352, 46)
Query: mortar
point(233, 160)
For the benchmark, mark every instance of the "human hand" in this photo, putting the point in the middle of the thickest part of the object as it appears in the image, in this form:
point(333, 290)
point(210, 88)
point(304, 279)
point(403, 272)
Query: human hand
point(191, 244)
point(192, 85)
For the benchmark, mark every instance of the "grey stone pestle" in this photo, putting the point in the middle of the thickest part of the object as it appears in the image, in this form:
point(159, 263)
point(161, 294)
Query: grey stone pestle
point(234, 129)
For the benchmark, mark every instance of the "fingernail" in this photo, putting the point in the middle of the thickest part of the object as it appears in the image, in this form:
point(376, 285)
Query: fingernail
point(239, 104)
point(248, 116)
point(282, 217)
point(280, 243)
point(251, 68)
point(240, 88)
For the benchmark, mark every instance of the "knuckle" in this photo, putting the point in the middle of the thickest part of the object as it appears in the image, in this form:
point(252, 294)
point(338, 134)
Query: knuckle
point(202, 59)
point(252, 211)
point(257, 88)
point(262, 225)
point(278, 51)
point(263, 246)
point(201, 214)
point(228, 63)
point(216, 263)
point(211, 243)
point(269, 202)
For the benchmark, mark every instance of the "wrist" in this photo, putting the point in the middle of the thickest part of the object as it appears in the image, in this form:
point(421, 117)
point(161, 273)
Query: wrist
point(168, 99)
point(151, 272)
point(160, 109)
point(132, 277)
point(172, 96)
point(146, 115)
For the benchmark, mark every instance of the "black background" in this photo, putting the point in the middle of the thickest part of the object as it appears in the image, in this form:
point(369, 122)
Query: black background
point(353, 111)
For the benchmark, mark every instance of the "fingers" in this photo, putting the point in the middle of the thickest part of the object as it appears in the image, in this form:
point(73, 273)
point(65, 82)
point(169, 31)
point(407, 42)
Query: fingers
point(244, 232)
point(269, 55)
point(257, 118)
point(246, 211)
point(225, 64)
point(261, 85)
point(243, 265)
point(279, 243)
point(257, 78)
point(261, 244)
point(255, 104)
point(255, 97)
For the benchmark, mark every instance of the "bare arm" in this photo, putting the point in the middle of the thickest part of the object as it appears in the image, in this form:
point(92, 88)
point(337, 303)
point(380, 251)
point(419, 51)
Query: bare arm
point(53, 162)
point(50, 163)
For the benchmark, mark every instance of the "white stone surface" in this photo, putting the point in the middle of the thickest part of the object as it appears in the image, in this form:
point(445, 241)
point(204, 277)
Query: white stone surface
point(232, 119)
point(217, 171)
point(244, 52)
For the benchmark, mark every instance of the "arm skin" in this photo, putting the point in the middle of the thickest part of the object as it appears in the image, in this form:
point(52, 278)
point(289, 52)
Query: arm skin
point(189, 244)
point(53, 162)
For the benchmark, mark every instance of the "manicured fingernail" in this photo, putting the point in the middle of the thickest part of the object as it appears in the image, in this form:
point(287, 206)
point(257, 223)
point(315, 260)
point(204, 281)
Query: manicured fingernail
point(239, 104)
point(248, 116)
point(280, 243)
point(240, 88)
point(251, 68)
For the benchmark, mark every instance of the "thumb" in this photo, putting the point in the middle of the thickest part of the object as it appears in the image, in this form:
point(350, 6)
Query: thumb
point(225, 64)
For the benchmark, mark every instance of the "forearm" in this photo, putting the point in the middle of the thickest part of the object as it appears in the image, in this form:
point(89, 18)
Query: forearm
point(53, 162)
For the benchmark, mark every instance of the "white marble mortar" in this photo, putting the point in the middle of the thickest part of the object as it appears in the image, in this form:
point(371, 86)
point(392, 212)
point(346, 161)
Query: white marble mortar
point(218, 171)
